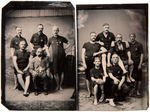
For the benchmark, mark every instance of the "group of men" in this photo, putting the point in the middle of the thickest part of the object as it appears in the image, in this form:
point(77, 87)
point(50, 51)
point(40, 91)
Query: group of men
point(45, 60)
point(112, 64)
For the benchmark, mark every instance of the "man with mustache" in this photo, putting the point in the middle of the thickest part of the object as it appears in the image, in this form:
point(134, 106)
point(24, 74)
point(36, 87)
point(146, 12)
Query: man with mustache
point(57, 55)
point(122, 50)
point(38, 40)
point(21, 59)
point(106, 38)
point(136, 49)
point(89, 51)
point(40, 70)
point(14, 45)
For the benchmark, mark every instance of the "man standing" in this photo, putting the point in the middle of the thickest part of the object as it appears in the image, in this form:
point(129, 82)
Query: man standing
point(57, 55)
point(89, 51)
point(137, 56)
point(14, 45)
point(38, 40)
point(21, 60)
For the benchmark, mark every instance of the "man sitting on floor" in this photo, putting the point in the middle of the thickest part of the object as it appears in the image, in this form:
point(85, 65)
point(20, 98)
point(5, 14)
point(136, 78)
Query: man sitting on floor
point(119, 88)
point(98, 79)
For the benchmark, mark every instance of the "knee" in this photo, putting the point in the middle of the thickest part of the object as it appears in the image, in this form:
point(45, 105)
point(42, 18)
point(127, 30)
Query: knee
point(126, 67)
point(125, 88)
point(131, 66)
point(96, 86)
point(103, 56)
point(19, 75)
point(28, 77)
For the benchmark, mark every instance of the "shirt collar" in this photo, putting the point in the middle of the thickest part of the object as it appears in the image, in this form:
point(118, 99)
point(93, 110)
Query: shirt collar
point(39, 34)
point(18, 36)
point(134, 42)
point(105, 35)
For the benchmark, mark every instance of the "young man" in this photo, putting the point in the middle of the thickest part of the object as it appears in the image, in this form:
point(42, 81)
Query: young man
point(38, 40)
point(21, 62)
point(122, 50)
point(89, 51)
point(40, 71)
point(98, 79)
point(137, 56)
point(57, 55)
point(119, 88)
point(14, 45)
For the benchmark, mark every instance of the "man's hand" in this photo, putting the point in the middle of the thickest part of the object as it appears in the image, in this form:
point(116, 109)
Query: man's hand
point(130, 61)
point(84, 65)
point(105, 74)
point(96, 80)
point(104, 78)
point(50, 75)
point(119, 86)
point(34, 73)
point(20, 72)
point(94, 54)
point(101, 43)
point(109, 65)
point(116, 81)
point(25, 69)
point(100, 81)
point(139, 66)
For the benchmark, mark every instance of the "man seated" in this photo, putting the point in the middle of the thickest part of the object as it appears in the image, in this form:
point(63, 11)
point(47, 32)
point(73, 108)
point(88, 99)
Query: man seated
point(40, 71)
point(122, 50)
point(119, 88)
point(98, 79)
point(21, 62)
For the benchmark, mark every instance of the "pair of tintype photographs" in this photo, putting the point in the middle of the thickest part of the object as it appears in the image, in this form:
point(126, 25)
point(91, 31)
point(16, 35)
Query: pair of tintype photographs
point(122, 18)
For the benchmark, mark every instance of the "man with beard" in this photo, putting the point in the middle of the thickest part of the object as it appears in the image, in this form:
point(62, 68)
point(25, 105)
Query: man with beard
point(57, 55)
point(137, 56)
point(122, 50)
point(21, 60)
point(40, 70)
point(89, 51)
point(14, 45)
point(38, 40)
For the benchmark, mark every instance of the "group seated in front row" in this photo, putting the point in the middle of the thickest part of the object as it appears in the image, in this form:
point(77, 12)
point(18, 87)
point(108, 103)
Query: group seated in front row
point(117, 88)
point(37, 67)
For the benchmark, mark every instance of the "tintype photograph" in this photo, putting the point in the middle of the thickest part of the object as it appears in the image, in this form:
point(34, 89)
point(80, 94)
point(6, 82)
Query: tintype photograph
point(38, 56)
point(112, 57)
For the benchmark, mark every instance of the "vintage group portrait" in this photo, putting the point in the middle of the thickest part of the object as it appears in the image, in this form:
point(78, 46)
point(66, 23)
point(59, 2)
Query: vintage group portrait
point(96, 60)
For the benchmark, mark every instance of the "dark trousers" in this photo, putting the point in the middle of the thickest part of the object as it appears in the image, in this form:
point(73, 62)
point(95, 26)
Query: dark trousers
point(111, 90)
point(122, 93)
point(37, 81)
point(137, 73)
